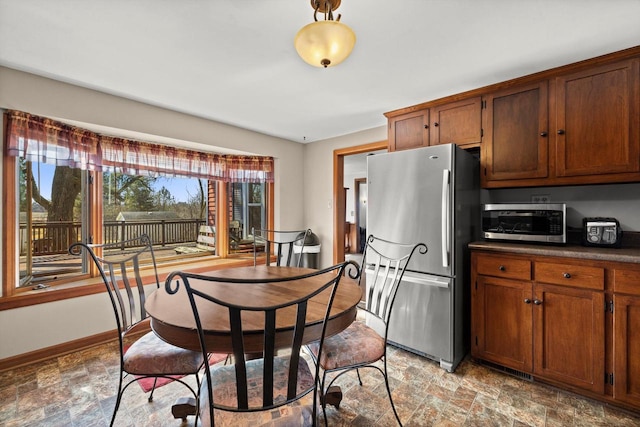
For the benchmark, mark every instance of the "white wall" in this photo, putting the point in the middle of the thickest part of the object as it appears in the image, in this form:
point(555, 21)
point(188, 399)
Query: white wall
point(30, 328)
point(318, 184)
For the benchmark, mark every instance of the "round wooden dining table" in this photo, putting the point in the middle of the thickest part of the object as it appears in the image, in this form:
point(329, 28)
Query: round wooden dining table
point(173, 321)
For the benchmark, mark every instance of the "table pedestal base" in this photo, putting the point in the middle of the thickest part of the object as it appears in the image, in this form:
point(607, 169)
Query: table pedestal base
point(184, 407)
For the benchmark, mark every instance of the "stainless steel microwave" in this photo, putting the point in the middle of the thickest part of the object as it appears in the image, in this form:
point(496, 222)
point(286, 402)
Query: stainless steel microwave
point(529, 222)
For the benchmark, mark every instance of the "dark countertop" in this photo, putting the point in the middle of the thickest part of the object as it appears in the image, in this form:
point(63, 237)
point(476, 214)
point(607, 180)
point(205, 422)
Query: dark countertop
point(624, 254)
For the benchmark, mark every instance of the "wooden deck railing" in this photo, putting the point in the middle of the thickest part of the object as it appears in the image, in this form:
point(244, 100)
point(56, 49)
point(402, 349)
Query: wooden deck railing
point(48, 238)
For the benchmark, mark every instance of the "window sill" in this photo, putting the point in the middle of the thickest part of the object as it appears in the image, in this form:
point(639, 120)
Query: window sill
point(94, 285)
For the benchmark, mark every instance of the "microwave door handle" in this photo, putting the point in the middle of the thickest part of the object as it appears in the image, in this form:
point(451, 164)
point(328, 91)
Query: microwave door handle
point(445, 218)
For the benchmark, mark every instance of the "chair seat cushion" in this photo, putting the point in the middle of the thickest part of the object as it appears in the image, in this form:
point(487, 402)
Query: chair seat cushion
point(150, 355)
point(224, 390)
point(356, 345)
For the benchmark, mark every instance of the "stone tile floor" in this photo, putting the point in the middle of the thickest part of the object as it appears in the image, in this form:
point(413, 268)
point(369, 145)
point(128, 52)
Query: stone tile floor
point(79, 390)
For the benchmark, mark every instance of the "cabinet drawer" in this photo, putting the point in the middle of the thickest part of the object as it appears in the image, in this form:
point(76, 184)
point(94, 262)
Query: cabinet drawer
point(626, 281)
point(498, 266)
point(579, 276)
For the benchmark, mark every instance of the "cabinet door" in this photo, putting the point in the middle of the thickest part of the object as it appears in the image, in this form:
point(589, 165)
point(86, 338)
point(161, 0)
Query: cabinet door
point(569, 328)
point(501, 327)
point(409, 130)
point(457, 122)
point(515, 143)
point(598, 121)
point(626, 349)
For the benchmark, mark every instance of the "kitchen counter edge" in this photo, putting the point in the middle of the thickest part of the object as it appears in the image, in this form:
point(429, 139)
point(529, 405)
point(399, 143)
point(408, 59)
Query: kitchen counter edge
point(624, 254)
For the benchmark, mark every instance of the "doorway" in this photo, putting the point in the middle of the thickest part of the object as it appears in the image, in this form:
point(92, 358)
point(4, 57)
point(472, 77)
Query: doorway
point(339, 194)
point(360, 217)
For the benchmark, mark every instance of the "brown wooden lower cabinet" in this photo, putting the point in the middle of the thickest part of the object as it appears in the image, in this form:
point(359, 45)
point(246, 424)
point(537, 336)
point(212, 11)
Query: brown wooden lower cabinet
point(626, 348)
point(549, 317)
point(569, 336)
point(502, 322)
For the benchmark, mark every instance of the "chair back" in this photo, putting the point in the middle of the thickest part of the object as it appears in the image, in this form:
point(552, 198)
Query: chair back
point(120, 263)
point(283, 244)
point(205, 296)
point(383, 267)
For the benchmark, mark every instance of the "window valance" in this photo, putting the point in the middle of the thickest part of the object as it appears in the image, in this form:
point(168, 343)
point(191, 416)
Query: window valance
point(40, 139)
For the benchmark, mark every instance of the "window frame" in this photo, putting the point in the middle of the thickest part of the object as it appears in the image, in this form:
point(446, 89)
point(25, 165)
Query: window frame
point(87, 283)
point(246, 205)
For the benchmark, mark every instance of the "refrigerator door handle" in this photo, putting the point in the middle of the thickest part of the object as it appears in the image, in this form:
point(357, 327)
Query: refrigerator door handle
point(445, 218)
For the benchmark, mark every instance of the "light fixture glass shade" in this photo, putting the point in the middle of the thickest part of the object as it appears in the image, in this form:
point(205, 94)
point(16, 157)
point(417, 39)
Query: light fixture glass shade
point(325, 43)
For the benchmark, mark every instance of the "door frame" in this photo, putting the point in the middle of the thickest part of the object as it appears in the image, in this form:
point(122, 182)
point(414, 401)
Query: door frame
point(339, 199)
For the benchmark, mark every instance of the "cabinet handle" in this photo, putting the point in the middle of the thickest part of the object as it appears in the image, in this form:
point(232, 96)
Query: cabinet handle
point(502, 268)
point(426, 126)
point(537, 302)
point(543, 134)
point(566, 275)
point(527, 301)
point(560, 131)
point(436, 124)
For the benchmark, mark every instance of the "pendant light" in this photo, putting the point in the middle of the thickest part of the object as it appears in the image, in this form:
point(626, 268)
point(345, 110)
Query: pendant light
point(327, 42)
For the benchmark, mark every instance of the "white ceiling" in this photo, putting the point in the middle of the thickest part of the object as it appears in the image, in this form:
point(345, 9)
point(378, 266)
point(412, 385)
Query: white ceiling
point(233, 61)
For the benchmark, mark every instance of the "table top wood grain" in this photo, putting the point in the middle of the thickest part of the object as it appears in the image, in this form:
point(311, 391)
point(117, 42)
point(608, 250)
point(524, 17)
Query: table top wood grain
point(173, 321)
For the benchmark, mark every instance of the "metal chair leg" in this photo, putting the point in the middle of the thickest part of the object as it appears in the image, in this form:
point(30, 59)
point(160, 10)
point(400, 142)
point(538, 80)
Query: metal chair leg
point(386, 381)
point(118, 398)
point(155, 381)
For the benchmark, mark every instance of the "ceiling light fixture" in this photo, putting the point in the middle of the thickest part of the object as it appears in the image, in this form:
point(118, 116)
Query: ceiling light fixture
point(325, 43)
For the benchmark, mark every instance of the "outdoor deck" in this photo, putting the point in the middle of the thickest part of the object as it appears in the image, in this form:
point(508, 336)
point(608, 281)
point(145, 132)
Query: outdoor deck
point(177, 239)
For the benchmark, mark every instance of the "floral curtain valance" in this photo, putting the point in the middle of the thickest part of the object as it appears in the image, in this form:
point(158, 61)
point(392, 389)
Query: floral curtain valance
point(45, 140)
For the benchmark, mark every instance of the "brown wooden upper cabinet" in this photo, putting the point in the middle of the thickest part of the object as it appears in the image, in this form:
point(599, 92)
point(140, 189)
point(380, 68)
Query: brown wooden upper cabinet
point(571, 125)
point(410, 130)
point(455, 122)
point(516, 134)
point(597, 121)
point(577, 128)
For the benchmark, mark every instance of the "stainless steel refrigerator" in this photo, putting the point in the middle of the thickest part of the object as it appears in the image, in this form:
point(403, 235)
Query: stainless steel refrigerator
point(429, 195)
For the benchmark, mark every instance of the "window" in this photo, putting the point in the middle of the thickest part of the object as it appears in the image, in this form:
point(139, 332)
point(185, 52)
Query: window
point(170, 210)
point(248, 211)
point(51, 217)
point(71, 185)
point(54, 213)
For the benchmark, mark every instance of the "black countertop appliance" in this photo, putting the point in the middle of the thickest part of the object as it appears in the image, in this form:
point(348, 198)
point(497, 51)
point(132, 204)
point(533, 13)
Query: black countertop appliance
point(605, 232)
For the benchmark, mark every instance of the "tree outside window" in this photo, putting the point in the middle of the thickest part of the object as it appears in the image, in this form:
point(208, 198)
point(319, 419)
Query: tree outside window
point(52, 208)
